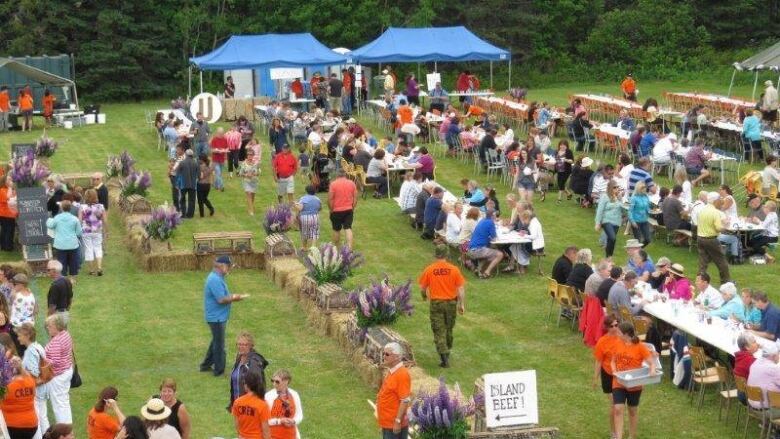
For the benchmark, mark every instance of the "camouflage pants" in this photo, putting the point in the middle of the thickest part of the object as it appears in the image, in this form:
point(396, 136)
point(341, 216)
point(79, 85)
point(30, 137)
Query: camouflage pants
point(442, 316)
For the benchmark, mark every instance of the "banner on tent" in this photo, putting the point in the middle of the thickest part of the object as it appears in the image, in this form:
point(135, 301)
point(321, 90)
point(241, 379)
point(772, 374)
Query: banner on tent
point(286, 73)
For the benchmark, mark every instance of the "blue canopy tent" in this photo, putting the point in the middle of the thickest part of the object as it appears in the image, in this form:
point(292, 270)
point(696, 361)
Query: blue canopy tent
point(267, 51)
point(430, 44)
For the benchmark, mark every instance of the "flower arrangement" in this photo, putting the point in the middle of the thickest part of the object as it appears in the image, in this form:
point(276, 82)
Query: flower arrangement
point(381, 304)
point(278, 219)
point(328, 264)
point(441, 415)
point(120, 166)
point(27, 171)
point(45, 147)
point(137, 183)
point(518, 93)
point(162, 223)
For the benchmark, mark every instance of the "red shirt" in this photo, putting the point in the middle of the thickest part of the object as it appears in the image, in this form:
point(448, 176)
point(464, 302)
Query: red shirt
point(48, 105)
point(343, 193)
point(742, 362)
point(285, 164)
point(463, 82)
point(297, 88)
point(347, 80)
point(218, 143)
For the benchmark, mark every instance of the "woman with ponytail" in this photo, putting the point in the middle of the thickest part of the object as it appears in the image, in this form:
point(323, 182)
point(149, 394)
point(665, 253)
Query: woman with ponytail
point(629, 354)
point(60, 431)
point(100, 424)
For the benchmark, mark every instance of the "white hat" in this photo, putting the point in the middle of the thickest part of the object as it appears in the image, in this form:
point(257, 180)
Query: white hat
point(416, 149)
point(190, 152)
point(768, 83)
point(384, 71)
point(769, 349)
point(672, 136)
point(155, 410)
point(586, 162)
point(712, 197)
point(633, 243)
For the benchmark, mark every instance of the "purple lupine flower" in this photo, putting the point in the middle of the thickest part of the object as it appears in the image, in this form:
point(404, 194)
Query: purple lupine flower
point(278, 219)
point(126, 163)
point(440, 414)
point(27, 171)
point(380, 303)
point(45, 147)
point(137, 184)
point(161, 224)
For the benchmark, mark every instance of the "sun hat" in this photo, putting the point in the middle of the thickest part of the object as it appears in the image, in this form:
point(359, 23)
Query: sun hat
point(384, 71)
point(586, 162)
point(190, 152)
point(633, 243)
point(677, 269)
point(663, 261)
point(155, 410)
point(224, 259)
point(768, 83)
point(20, 278)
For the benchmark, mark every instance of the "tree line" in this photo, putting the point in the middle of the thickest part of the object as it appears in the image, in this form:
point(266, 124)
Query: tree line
point(130, 50)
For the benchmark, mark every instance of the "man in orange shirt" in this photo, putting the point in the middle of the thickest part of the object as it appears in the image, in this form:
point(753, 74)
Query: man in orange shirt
point(26, 108)
point(342, 199)
point(297, 88)
point(395, 394)
point(48, 106)
point(5, 108)
point(443, 283)
point(629, 87)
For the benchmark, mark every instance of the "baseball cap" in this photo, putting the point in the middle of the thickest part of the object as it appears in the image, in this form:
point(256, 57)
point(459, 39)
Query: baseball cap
point(224, 259)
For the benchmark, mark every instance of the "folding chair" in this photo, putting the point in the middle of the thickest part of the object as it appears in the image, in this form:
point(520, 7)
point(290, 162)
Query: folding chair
point(727, 393)
point(755, 394)
point(552, 293)
point(567, 300)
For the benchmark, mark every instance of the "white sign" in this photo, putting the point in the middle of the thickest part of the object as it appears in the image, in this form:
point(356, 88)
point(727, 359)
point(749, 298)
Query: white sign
point(286, 73)
point(510, 398)
point(431, 79)
point(208, 105)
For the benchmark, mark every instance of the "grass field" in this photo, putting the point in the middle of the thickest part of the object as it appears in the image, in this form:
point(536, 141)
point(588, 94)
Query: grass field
point(132, 329)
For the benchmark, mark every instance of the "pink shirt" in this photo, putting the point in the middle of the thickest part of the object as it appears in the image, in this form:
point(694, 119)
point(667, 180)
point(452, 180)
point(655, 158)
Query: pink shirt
point(59, 352)
point(233, 140)
point(679, 289)
point(764, 374)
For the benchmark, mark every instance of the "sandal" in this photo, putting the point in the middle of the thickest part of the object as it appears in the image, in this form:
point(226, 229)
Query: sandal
point(483, 275)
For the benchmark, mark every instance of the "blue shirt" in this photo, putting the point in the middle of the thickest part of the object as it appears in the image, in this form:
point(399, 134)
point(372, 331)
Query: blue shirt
point(633, 267)
point(637, 175)
point(751, 128)
point(770, 320)
point(432, 209)
point(311, 205)
point(646, 267)
point(646, 144)
point(733, 306)
point(751, 315)
point(67, 231)
point(626, 124)
point(483, 233)
point(477, 199)
point(544, 116)
point(215, 289)
point(639, 208)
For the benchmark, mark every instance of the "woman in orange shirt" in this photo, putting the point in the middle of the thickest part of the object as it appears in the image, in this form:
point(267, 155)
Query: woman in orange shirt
point(286, 409)
point(100, 424)
point(602, 367)
point(250, 411)
point(629, 354)
point(18, 406)
point(48, 106)
point(8, 213)
point(26, 108)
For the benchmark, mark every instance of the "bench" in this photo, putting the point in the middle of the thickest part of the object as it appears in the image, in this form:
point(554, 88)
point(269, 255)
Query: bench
point(687, 234)
point(222, 242)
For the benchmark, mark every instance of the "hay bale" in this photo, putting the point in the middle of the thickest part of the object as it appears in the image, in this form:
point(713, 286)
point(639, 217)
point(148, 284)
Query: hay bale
point(518, 433)
point(171, 261)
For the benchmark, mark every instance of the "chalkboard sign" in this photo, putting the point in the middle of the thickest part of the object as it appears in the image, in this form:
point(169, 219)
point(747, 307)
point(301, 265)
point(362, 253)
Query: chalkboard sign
point(32, 230)
point(36, 252)
point(20, 149)
point(31, 201)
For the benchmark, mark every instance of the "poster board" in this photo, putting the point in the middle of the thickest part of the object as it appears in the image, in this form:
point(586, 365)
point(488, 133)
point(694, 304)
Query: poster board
point(286, 73)
point(431, 79)
point(31, 201)
point(511, 399)
point(31, 204)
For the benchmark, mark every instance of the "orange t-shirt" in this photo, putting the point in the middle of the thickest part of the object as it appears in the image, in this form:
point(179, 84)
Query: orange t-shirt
point(48, 105)
point(18, 406)
point(442, 280)
point(628, 85)
point(344, 192)
point(101, 425)
point(476, 110)
point(630, 356)
point(404, 114)
point(26, 102)
point(5, 210)
point(278, 411)
point(395, 387)
point(5, 104)
point(297, 88)
point(250, 411)
point(604, 350)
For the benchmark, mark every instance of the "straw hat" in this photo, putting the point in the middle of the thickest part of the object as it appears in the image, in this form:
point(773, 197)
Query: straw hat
point(587, 162)
point(155, 410)
point(633, 243)
point(20, 278)
point(677, 269)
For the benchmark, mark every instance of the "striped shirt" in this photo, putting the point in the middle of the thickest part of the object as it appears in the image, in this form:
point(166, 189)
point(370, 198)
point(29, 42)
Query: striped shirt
point(233, 139)
point(637, 175)
point(59, 352)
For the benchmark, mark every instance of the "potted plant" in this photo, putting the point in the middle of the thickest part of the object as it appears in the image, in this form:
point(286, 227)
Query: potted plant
point(137, 183)
point(161, 224)
point(26, 171)
point(278, 219)
point(441, 415)
point(45, 147)
point(328, 264)
point(381, 304)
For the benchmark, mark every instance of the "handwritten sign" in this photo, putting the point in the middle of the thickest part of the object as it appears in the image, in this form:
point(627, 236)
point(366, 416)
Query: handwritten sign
point(31, 201)
point(20, 149)
point(32, 230)
point(36, 252)
point(510, 398)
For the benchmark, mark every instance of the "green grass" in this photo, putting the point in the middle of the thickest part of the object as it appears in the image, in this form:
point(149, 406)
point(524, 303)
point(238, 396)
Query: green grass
point(132, 328)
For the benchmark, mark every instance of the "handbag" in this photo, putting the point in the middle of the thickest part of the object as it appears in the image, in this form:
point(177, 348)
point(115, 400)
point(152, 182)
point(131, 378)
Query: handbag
point(75, 380)
point(46, 372)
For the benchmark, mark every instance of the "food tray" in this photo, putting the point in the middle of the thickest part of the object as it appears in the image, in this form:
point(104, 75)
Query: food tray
point(639, 377)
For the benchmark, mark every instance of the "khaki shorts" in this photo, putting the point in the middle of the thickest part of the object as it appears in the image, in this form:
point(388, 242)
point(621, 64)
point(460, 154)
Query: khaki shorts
point(285, 185)
point(483, 253)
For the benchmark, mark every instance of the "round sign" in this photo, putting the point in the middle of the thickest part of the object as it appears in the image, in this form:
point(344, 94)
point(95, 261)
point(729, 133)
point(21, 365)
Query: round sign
point(208, 105)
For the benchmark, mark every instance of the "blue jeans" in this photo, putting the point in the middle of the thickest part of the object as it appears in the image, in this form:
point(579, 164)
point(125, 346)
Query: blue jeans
point(215, 356)
point(642, 232)
point(611, 231)
point(202, 148)
point(387, 433)
point(346, 104)
point(218, 184)
point(732, 241)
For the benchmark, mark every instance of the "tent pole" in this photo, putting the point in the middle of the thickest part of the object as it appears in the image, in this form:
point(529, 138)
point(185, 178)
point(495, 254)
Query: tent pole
point(509, 86)
point(189, 81)
point(75, 95)
point(201, 81)
point(435, 67)
point(755, 84)
point(732, 82)
point(491, 75)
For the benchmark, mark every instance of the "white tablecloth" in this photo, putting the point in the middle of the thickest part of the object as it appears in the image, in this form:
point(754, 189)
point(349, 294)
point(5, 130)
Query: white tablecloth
point(613, 101)
point(716, 99)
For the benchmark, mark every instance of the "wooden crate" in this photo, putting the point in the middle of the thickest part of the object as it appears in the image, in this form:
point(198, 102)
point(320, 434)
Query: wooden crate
point(278, 245)
point(222, 243)
point(354, 332)
point(331, 297)
point(378, 337)
point(308, 287)
point(135, 205)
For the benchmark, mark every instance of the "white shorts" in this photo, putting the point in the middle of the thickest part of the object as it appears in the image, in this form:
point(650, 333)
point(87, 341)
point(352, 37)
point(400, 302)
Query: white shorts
point(285, 185)
point(93, 246)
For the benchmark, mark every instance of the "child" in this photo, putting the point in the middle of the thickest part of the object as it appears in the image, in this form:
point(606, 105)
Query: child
point(303, 159)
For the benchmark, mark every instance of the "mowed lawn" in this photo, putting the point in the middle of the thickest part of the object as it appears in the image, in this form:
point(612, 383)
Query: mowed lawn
point(132, 328)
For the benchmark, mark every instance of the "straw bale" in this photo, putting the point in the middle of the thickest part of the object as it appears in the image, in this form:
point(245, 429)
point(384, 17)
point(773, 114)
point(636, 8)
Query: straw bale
point(526, 433)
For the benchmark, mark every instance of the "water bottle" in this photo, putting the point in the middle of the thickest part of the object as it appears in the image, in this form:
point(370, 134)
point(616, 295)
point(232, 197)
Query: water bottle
point(706, 302)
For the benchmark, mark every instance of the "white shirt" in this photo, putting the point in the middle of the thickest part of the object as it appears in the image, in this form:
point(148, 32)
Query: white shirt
point(315, 138)
point(453, 228)
point(770, 225)
point(715, 300)
point(535, 234)
point(543, 143)
point(687, 196)
point(662, 150)
point(731, 212)
point(599, 185)
point(770, 98)
point(270, 397)
point(695, 209)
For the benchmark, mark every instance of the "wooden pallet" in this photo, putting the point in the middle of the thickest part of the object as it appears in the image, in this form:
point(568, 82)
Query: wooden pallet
point(332, 298)
point(376, 339)
point(221, 242)
point(278, 244)
point(135, 204)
